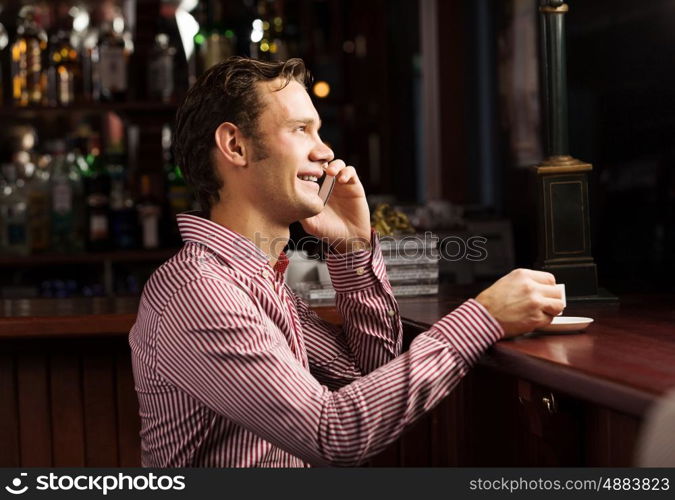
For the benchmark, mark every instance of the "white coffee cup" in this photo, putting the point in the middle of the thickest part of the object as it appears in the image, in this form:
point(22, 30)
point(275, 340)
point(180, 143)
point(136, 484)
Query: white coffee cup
point(561, 287)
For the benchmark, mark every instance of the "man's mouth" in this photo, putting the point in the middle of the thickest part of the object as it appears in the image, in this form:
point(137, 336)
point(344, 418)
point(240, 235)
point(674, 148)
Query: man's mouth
point(310, 178)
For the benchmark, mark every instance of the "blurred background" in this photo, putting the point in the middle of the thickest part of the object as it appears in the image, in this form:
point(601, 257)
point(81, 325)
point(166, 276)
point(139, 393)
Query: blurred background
point(436, 102)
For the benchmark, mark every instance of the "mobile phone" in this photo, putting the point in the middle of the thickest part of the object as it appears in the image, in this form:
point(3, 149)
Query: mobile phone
point(326, 187)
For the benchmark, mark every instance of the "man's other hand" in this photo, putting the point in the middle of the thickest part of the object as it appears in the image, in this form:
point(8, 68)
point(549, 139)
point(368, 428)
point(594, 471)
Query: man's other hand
point(523, 301)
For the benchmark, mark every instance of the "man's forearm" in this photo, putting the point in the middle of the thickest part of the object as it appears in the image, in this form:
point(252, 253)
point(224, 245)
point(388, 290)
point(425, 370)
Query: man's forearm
point(364, 299)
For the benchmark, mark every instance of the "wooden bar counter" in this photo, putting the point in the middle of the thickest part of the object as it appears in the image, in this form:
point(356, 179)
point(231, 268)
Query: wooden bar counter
point(67, 397)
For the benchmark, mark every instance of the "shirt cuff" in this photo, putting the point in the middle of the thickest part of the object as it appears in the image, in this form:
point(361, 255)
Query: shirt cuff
point(471, 330)
point(357, 270)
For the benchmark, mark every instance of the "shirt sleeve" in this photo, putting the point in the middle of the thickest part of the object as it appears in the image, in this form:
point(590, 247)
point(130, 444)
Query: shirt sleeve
point(214, 344)
point(366, 303)
point(330, 358)
point(371, 334)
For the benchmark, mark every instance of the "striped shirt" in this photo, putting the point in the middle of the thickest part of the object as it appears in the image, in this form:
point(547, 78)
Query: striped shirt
point(234, 370)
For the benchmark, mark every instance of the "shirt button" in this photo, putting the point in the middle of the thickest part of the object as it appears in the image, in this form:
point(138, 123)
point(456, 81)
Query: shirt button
point(360, 270)
point(391, 313)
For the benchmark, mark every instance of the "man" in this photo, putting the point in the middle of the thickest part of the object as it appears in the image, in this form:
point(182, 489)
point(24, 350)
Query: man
point(231, 368)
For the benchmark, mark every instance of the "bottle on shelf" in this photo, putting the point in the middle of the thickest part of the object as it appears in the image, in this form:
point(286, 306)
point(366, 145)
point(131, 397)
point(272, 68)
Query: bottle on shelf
point(77, 20)
point(78, 168)
point(149, 213)
point(39, 206)
point(97, 189)
point(20, 144)
point(4, 41)
point(59, 288)
point(179, 198)
point(112, 55)
point(63, 68)
point(214, 42)
point(27, 54)
point(122, 213)
point(61, 197)
point(161, 69)
point(267, 37)
point(14, 213)
point(67, 200)
point(197, 58)
point(88, 38)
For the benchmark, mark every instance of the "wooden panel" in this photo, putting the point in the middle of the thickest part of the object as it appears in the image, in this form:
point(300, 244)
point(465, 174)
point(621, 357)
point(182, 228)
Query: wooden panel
point(100, 412)
point(415, 441)
point(491, 421)
point(67, 410)
point(390, 457)
point(68, 317)
point(550, 434)
point(611, 438)
point(63, 327)
point(625, 431)
point(9, 422)
point(447, 429)
point(128, 420)
point(34, 410)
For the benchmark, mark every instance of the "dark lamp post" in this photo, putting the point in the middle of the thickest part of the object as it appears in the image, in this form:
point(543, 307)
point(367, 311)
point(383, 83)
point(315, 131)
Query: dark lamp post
point(562, 181)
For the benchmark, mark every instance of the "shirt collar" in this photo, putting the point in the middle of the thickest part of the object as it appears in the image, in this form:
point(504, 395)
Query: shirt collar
point(237, 250)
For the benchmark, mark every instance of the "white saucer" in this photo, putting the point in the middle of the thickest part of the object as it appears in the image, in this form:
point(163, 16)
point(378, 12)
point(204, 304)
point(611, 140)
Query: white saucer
point(566, 324)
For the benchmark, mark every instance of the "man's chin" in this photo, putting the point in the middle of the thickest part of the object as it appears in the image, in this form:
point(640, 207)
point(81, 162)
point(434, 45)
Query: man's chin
point(310, 209)
point(311, 212)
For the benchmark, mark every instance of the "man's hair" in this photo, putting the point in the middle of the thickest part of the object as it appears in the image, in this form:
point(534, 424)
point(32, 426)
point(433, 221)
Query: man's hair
point(225, 93)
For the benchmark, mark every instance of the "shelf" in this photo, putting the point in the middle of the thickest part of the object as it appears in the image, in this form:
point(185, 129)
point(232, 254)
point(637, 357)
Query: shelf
point(87, 258)
point(129, 108)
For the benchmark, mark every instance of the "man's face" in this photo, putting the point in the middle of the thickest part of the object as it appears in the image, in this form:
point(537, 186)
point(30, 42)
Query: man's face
point(286, 149)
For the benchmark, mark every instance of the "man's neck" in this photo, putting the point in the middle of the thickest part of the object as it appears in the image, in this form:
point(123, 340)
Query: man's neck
point(268, 236)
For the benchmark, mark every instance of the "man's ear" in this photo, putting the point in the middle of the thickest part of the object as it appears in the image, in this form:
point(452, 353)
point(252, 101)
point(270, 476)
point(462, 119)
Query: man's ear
point(229, 141)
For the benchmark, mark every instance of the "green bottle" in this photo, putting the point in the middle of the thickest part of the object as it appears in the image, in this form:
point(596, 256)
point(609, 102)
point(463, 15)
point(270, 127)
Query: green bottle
point(66, 184)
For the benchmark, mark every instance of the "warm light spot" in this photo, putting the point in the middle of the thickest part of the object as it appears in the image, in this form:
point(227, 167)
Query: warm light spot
point(80, 19)
point(118, 25)
point(264, 46)
point(273, 48)
point(257, 33)
point(321, 89)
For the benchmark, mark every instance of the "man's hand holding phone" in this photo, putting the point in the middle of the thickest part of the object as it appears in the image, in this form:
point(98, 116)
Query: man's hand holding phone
point(345, 220)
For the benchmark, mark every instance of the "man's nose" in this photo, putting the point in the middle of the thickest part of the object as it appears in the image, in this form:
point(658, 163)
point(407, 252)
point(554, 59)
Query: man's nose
point(322, 153)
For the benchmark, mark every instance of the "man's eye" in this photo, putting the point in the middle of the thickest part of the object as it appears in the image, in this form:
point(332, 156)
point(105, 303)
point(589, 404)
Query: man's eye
point(301, 128)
